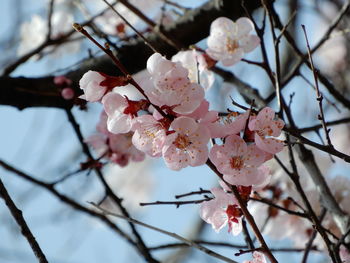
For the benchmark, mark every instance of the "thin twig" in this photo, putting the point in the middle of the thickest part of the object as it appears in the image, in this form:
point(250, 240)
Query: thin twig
point(319, 95)
point(70, 202)
point(25, 230)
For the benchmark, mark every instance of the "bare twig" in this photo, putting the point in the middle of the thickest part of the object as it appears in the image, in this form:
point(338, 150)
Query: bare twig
point(70, 202)
point(25, 230)
point(319, 95)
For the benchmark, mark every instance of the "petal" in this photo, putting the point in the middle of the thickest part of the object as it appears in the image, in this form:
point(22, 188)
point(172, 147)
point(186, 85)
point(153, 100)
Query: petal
point(244, 26)
point(184, 125)
point(264, 178)
point(236, 145)
point(157, 64)
point(246, 176)
point(198, 156)
point(120, 123)
point(233, 58)
point(113, 102)
point(249, 43)
point(270, 145)
point(254, 156)
point(175, 159)
point(222, 25)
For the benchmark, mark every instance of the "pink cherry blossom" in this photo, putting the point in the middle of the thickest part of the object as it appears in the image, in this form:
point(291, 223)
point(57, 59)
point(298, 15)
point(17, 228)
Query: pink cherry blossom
point(172, 87)
point(115, 105)
point(221, 127)
point(90, 84)
point(117, 148)
point(197, 67)
point(265, 125)
point(122, 149)
point(97, 84)
point(186, 145)
point(228, 40)
point(258, 257)
point(149, 136)
point(238, 162)
point(121, 112)
point(222, 210)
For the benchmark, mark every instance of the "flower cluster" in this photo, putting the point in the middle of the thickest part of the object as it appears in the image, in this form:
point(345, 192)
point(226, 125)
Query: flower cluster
point(173, 121)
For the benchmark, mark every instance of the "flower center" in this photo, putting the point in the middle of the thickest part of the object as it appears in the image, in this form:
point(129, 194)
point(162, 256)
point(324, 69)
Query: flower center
point(231, 45)
point(182, 142)
point(237, 162)
point(233, 212)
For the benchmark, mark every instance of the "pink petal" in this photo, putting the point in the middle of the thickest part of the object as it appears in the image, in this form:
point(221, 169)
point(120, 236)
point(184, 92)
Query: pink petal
point(233, 58)
point(249, 43)
point(222, 25)
point(157, 64)
point(270, 145)
point(254, 156)
point(113, 102)
point(236, 145)
point(184, 125)
point(244, 26)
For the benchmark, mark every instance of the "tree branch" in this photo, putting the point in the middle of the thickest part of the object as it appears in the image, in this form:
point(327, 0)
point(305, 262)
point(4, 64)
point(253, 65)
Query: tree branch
point(41, 92)
point(18, 216)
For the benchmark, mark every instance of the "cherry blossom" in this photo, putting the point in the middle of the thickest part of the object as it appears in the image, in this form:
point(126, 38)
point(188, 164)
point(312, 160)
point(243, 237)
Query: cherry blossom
point(222, 210)
point(258, 257)
point(172, 87)
point(121, 112)
point(265, 125)
point(228, 40)
point(197, 67)
point(186, 145)
point(122, 149)
point(118, 148)
point(238, 162)
point(90, 84)
point(221, 127)
point(96, 84)
point(149, 135)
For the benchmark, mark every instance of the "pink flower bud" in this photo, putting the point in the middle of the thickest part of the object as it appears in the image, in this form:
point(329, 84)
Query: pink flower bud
point(67, 93)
